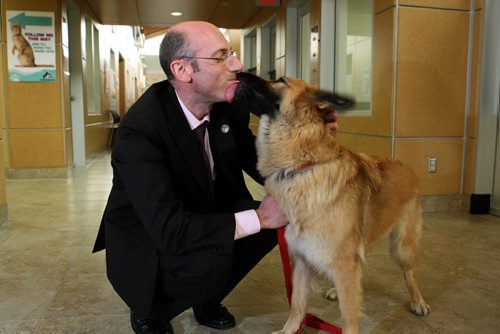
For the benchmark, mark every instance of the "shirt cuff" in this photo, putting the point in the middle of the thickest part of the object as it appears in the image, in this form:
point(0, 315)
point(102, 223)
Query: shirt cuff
point(247, 223)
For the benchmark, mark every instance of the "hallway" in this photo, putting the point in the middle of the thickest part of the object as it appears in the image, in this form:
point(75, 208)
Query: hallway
point(51, 283)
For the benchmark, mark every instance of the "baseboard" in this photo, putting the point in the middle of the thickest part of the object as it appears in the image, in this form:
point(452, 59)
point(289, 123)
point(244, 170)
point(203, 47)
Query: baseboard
point(37, 173)
point(444, 203)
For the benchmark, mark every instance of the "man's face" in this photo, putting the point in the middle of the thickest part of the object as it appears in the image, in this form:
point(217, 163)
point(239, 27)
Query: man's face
point(214, 81)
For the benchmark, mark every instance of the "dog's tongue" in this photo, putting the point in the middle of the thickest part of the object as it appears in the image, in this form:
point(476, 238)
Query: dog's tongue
point(230, 90)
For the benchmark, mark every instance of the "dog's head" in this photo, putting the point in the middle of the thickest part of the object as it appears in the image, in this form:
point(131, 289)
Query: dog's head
point(284, 95)
point(294, 116)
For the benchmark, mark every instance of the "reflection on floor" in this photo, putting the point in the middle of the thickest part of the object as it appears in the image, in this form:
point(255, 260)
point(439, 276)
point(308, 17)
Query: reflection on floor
point(51, 283)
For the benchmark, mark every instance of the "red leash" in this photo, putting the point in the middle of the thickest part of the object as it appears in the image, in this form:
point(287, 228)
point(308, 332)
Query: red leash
point(310, 320)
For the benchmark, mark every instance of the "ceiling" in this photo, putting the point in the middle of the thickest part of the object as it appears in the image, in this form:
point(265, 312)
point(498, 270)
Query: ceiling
point(231, 14)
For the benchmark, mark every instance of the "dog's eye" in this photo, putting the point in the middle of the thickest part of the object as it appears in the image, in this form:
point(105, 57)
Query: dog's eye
point(277, 106)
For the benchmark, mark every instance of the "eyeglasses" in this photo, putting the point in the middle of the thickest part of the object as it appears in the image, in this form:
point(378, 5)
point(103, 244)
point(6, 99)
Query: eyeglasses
point(225, 58)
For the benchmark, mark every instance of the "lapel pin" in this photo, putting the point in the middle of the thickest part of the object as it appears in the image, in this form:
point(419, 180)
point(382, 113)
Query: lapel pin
point(224, 128)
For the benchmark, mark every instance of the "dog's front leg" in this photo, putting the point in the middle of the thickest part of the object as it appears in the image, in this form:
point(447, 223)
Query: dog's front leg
point(301, 288)
point(347, 280)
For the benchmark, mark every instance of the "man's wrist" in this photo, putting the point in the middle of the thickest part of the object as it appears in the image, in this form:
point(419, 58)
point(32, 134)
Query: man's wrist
point(247, 223)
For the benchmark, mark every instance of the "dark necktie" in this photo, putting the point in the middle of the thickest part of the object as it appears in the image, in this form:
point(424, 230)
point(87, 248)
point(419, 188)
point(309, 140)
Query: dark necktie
point(199, 134)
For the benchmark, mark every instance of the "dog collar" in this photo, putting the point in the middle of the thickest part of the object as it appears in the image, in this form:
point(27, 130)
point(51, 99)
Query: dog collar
point(303, 166)
point(286, 173)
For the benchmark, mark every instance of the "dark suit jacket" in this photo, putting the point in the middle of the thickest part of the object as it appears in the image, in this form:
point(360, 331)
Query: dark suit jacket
point(163, 214)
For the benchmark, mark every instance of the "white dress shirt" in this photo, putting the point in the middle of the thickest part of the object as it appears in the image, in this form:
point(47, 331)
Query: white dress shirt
point(247, 222)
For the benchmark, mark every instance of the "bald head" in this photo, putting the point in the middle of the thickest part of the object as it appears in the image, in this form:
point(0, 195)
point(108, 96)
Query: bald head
point(184, 39)
point(194, 26)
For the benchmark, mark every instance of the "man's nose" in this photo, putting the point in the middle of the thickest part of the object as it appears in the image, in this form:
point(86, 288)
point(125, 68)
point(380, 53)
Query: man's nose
point(236, 66)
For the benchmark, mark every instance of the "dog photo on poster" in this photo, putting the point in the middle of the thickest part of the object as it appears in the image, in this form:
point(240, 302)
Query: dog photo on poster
point(31, 53)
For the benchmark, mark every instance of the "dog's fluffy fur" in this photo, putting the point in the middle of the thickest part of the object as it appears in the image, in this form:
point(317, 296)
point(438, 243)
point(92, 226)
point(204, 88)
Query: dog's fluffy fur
point(337, 201)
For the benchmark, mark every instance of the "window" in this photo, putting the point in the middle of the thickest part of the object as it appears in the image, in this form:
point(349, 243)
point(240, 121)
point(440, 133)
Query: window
point(92, 71)
point(250, 49)
point(353, 52)
point(272, 52)
point(268, 50)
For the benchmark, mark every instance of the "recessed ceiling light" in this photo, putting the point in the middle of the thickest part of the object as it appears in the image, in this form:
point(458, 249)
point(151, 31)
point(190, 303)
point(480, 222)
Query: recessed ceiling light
point(176, 13)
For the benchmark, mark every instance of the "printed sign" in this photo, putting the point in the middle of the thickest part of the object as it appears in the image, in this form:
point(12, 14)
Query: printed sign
point(31, 48)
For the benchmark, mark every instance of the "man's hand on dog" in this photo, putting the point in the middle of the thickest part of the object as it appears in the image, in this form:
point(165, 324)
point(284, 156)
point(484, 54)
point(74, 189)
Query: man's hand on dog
point(270, 215)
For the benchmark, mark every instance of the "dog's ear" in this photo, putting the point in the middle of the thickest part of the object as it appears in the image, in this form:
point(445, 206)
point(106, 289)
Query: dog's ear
point(327, 103)
point(331, 100)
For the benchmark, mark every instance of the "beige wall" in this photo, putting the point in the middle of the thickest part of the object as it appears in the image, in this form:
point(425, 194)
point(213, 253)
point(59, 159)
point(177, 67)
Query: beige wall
point(419, 107)
point(3, 197)
point(36, 117)
point(34, 127)
point(419, 88)
point(426, 97)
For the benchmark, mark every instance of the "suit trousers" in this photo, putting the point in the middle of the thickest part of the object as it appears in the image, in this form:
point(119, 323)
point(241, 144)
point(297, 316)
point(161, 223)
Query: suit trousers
point(247, 253)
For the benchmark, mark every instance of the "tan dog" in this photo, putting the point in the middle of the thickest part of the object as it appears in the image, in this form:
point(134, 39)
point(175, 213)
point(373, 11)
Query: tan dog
point(338, 202)
point(25, 54)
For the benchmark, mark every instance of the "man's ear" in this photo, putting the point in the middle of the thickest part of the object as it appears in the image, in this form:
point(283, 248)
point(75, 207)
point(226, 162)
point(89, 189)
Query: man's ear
point(182, 70)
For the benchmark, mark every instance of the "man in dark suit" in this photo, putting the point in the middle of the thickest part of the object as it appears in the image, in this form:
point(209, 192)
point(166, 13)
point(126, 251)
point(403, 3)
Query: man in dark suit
point(180, 227)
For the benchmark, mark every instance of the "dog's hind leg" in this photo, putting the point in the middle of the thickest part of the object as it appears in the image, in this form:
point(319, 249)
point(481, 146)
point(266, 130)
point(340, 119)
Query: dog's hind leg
point(347, 280)
point(301, 287)
point(404, 248)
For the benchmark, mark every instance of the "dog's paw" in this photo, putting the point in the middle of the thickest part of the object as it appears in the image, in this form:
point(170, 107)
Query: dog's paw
point(331, 294)
point(420, 308)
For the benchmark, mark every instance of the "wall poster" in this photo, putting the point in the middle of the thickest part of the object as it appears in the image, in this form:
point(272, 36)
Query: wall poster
point(31, 52)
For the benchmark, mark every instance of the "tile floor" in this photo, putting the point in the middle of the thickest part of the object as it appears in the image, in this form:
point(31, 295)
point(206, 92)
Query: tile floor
point(51, 283)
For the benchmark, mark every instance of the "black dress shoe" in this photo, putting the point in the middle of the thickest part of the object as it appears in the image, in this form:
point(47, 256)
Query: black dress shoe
point(214, 316)
point(150, 326)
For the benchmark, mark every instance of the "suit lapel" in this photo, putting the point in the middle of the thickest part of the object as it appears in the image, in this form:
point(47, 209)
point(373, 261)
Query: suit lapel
point(181, 133)
point(223, 144)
